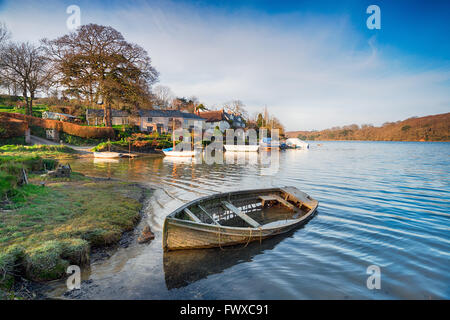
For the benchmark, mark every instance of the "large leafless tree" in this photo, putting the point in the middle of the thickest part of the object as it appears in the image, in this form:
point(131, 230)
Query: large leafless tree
point(25, 67)
point(97, 65)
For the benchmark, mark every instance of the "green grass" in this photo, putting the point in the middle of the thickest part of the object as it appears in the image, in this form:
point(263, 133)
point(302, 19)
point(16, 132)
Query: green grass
point(12, 141)
point(11, 167)
point(14, 158)
point(50, 151)
point(53, 226)
point(37, 109)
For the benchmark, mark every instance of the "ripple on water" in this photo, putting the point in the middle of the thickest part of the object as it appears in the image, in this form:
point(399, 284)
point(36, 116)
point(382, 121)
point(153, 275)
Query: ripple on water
point(382, 203)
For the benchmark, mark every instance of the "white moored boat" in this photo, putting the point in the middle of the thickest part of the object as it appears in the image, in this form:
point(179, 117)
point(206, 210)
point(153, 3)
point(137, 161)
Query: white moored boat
point(241, 148)
point(107, 155)
point(170, 153)
point(296, 143)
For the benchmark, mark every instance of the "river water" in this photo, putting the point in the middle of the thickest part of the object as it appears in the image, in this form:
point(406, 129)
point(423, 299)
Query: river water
point(380, 203)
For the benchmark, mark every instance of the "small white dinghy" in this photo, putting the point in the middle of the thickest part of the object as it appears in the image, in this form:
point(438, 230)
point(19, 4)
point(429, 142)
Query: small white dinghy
point(241, 148)
point(170, 153)
point(107, 155)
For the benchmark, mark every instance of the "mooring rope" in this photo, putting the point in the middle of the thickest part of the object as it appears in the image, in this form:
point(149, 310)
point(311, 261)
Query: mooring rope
point(249, 237)
point(219, 234)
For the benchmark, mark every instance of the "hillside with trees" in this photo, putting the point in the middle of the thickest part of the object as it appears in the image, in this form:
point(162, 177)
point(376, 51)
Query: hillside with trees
point(429, 128)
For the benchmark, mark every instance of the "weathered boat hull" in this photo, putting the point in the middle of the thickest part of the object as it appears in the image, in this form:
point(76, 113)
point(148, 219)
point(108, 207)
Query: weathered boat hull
point(181, 234)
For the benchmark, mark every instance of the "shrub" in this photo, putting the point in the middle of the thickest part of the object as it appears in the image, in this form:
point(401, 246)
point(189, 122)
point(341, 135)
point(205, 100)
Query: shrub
point(78, 141)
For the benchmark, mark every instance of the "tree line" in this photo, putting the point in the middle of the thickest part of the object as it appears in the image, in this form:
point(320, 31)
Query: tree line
point(96, 66)
point(93, 64)
point(429, 128)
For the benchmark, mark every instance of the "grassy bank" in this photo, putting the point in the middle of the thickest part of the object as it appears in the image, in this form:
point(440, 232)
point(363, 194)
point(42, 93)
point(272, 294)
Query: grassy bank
point(44, 151)
point(37, 109)
point(45, 229)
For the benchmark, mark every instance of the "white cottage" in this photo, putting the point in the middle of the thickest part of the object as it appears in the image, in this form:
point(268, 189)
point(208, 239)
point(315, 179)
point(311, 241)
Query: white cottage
point(162, 120)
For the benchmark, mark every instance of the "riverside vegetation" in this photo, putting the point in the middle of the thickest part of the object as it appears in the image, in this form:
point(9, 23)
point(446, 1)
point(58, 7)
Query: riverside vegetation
point(45, 228)
point(429, 128)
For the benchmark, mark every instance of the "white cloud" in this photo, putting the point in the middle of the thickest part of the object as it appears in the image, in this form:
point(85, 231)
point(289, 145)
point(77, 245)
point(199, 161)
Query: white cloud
point(311, 72)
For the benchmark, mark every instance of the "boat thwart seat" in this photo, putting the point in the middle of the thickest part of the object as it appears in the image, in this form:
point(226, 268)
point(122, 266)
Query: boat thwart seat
point(274, 197)
point(242, 215)
point(192, 216)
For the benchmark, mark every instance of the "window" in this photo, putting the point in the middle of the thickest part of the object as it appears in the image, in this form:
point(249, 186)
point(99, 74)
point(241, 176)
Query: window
point(149, 119)
point(150, 129)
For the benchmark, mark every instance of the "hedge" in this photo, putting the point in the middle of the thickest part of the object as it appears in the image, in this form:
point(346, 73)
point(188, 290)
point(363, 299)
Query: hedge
point(66, 127)
point(10, 128)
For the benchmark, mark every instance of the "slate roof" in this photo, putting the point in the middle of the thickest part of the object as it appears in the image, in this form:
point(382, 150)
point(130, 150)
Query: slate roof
point(169, 113)
point(100, 112)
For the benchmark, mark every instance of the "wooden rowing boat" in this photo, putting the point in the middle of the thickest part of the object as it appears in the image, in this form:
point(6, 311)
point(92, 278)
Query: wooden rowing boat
point(236, 217)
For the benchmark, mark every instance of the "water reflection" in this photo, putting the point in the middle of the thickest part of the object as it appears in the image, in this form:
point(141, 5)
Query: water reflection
point(184, 267)
point(381, 203)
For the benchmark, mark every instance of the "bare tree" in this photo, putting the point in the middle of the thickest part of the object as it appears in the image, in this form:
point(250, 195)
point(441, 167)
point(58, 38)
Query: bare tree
point(97, 65)
point(25, 67)
point(164, 95)
point(4, 34)
point(236, 107)
point(4, 37)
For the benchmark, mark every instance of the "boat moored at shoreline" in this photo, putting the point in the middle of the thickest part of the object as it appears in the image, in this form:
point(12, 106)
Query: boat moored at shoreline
point(237, 217)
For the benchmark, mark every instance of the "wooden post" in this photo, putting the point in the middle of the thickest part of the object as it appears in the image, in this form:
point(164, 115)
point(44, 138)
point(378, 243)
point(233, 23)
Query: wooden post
point(25, 178)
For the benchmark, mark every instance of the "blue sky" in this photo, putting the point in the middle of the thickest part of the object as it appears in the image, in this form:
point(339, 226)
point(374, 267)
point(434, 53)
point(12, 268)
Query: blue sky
point(314, 64)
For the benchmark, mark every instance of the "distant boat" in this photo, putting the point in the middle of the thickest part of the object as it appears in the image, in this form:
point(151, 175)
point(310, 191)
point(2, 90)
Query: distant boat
point(296, 143)
point(107, 155)
point(267, 143)
point(113, 155)
point(238, 217)
point(241, 148)
point(170, 153)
